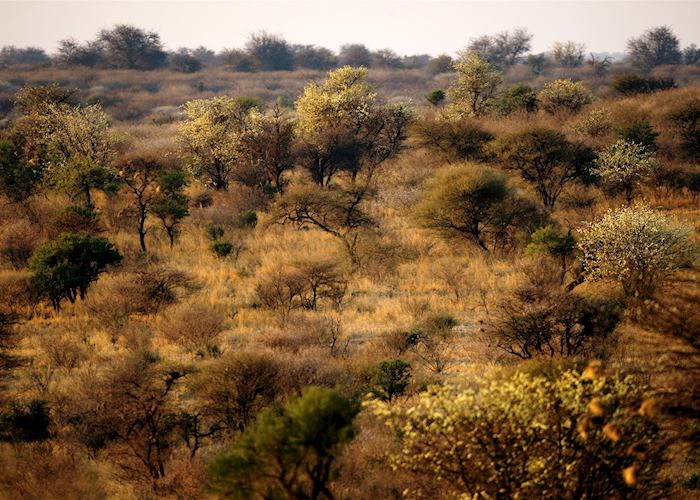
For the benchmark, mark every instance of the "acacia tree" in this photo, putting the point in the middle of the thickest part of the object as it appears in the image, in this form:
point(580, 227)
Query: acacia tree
point(340, 127)
point(130, 411)
point(503, 49)
point(474, 91)
point(141, 177)
point(80, 150)
point(129, 47)
point(270, 52)
point(288, 454)
point(624, 164)
point(213, 132)
point(475, 203)
point(637, 247)
point(654, 47)
point(338, 212)
point(544, 158)
point(170, 204)
point(267, 147)
point(569, 54)
point(65, 268)
point(563, 97)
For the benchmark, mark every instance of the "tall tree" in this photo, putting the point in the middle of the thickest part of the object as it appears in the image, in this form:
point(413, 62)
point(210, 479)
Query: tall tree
point(654, 47)
point(129, 47)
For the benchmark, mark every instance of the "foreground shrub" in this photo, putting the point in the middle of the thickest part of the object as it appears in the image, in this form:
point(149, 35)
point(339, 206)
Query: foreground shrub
point(65, 268)
point(290, 453)
point(529, 437)
point(635, 246)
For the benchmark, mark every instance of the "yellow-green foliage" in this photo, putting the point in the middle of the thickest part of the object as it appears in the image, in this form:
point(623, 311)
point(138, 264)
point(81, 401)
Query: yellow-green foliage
point(80, 147)
point(344, 99)
point(473, 92)
point(527, 436)
point(636, 246)
point(564, 96)
point(213, 133)
point(623, 164)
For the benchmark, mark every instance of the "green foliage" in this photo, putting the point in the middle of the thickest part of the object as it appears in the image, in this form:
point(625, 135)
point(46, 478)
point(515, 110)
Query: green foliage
point(25, 422)
point(65, 267)
point(693, 482)
point(597, 123)
point(637, 247)
point(564, 97)
point(80, 150)
point(529, 436)
point(214, 232)
point(473, 202)
point(547, 240)
point(686, 120)
point(221, 248)
point(632, 83)
point(624, 164)
point(170, 205)
point(248, 218)
point(19, 178)
point(545, 158)
point(640, 132)
point(74, 219)
point(474, 92)
point(214, 133)
point(454, 140)
point(435, 97)
point(290, 453)
point(517, 97)
point(342, 128)
point(391, 379)
point(536, 62)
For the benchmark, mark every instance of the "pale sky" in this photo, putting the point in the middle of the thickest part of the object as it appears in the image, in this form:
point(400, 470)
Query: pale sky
point(407, 26)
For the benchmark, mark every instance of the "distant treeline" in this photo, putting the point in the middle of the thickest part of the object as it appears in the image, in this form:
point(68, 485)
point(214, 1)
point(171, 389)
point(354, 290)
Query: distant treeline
point(129, 47)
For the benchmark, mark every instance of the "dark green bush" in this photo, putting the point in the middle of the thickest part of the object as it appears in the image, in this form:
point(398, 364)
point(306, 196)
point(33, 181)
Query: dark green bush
point(631, 83)
point(391, 379)
point(65, 268)
point(640, 132)
point(221, 248)
point(517, 97)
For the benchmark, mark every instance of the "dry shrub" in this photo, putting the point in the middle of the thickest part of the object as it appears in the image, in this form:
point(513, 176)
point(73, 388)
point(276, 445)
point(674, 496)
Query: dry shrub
point(45, 471)
point(65, 351)
point(17, 295)
point(309, 331)
point(195, 326)
point(303, 283)
point(236, 387)
point(18, 240)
